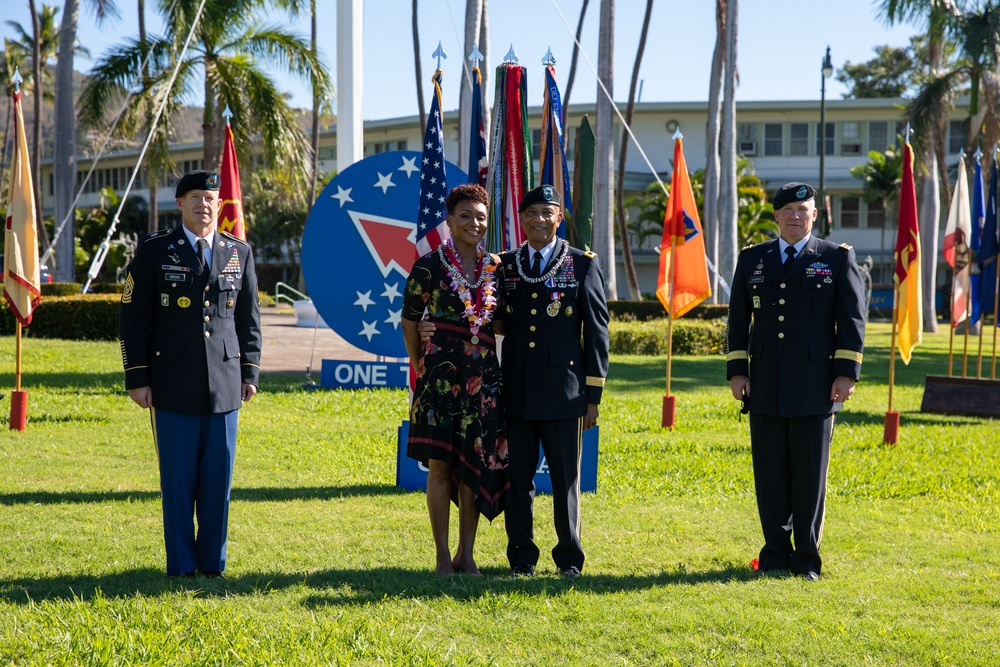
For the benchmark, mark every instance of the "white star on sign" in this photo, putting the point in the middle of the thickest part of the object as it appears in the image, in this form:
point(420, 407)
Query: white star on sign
point(364, 300)
point(343, 196)
point(409, 166)
point(394, 317)
point(391, 291)
point(384, 182)
point(368, 330)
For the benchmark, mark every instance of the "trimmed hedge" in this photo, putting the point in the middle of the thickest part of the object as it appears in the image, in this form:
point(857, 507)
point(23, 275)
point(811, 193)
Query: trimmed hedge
point(77, 317)
point(69, 289)
point(694, 337)
point(652, 309)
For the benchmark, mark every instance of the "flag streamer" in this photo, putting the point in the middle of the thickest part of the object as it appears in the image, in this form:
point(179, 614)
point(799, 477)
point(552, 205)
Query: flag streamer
point(511, 172)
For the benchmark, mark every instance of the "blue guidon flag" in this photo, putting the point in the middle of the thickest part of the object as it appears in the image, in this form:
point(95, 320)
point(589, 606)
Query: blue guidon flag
point(359, 245)
point(431, 213)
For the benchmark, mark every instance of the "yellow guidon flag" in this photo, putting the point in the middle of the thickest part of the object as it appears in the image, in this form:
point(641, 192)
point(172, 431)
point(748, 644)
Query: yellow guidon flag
point(21, 281)
point(909, 319)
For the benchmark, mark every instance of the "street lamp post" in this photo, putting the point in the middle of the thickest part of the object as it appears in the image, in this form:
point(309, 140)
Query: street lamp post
point(824, 214)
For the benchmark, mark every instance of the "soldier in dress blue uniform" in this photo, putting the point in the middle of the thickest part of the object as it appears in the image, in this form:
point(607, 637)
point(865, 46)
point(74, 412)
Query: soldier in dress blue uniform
point(795, 341)
point(190, 341)
point(553, 378)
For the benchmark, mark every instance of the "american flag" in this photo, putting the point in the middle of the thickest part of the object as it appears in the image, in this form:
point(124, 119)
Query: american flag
point(431, 226)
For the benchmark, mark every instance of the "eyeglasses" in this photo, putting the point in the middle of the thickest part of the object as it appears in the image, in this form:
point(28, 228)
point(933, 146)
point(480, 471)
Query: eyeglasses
point(543, 213)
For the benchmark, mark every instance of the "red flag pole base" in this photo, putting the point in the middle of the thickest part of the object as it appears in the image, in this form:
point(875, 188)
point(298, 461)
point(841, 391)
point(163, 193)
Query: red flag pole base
point(890, 436)
point(18, 410)
point(669, 410)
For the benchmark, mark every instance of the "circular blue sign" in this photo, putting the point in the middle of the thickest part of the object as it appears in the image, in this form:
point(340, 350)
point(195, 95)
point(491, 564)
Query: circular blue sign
point(359, 246)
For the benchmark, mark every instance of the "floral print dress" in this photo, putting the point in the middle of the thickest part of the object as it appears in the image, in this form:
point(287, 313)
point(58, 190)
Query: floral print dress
point(457, 415)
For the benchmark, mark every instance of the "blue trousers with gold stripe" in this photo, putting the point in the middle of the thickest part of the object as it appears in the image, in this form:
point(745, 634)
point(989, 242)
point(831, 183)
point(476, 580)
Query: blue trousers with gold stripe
point(196, 454)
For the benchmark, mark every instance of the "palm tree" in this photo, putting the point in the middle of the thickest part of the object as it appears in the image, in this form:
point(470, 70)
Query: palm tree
point(728, 195)
point(622, 214)
point(417, 68)
point(715, 87)
point(64, 148)
point(572, 65)
point(882, 177)
point(604, 213)
point(229, 48)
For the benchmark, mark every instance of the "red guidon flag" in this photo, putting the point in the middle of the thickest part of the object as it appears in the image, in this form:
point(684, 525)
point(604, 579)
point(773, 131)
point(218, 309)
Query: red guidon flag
point(909, 318)
point(230, 196)
point(20, 256)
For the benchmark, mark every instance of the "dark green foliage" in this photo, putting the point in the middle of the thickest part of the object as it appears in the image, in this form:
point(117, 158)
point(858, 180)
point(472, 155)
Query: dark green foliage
point(77, 317)
point(652, 309)
point(690, 337)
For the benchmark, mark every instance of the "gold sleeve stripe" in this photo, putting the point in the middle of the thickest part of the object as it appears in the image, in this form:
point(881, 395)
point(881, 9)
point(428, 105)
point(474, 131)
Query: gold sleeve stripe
point(594, 381)
point(850, 355)
point(135, 368)
point(737, 355)
point(249, 364)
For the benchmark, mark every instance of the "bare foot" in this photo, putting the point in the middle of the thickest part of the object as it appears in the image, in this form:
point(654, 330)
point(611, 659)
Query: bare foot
point(467, 565)
point(444, 566)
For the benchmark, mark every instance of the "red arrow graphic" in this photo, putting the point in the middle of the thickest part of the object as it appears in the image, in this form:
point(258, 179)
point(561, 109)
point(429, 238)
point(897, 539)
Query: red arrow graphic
point(391, 242)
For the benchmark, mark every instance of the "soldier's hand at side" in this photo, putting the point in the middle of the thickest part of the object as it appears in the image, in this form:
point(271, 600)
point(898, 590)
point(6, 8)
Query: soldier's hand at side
point(740, 386)
point(590, 419)
point(248, 392)
point(141, 396)
point(426, 329)
point(842, 389)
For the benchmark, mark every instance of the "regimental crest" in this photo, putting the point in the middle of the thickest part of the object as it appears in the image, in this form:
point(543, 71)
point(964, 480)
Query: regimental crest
point(548, 192)
point(212, 181)
point(802, 192)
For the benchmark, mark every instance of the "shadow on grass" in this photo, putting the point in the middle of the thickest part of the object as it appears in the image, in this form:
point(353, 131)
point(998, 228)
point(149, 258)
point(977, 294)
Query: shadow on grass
point(87, 382)
point(878, 419)
point(350, 587)
point(251, 495)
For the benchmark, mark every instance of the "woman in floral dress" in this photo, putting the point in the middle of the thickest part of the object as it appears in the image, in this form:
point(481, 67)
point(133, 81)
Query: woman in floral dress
point(456, 420)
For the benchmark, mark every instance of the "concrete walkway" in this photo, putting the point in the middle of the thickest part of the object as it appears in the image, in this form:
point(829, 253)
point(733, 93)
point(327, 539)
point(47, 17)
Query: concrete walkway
point(290, 349)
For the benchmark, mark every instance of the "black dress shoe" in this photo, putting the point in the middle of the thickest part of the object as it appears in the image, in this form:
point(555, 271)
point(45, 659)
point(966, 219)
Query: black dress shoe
point(211, 574)
point(572, 571)
point(523, 570)
point(810, 576)
point(186, 575)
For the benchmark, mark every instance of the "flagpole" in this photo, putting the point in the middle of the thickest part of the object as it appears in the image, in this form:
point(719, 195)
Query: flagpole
point(968, 324)
point(890, 432)
point(669, 401)
point(996, 304)
point(951, 321)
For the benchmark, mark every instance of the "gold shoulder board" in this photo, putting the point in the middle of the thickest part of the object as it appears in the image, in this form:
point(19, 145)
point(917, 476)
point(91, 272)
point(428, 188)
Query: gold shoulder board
point(590, 253)
point(846, 246)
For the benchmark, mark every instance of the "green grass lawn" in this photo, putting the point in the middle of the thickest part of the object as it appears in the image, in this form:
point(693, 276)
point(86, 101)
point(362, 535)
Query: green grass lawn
point(330, 563)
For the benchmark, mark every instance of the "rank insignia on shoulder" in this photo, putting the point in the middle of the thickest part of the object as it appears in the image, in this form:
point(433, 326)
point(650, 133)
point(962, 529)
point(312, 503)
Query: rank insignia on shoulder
point(845, 246)
point(747, 247)
point(590, 253)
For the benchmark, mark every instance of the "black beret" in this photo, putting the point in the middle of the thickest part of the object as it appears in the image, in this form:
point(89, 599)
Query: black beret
point(792, 192)
point(196, 180)
point(545, 194)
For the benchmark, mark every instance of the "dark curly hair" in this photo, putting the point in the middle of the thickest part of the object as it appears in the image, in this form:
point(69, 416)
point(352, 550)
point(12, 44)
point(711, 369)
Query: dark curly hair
point(466, 192)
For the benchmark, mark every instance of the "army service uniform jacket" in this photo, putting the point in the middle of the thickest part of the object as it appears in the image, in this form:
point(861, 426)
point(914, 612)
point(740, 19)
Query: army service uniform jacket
point(549, 371)
point(193, 338)
point(793, 332)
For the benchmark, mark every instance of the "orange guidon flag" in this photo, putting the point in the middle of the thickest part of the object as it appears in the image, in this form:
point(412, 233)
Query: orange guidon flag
point(231, 198)
point(909, 318)
point(682, 225)
point(20, 257)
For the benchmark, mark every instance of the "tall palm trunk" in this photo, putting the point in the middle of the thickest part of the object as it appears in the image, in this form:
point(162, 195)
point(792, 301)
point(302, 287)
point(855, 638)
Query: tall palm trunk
point(314, 138)
point(710, 194)
point(211, 121)
point(64, 159)
point(417, 68)
point(572, 65)
point(728, 203)
point(484, 70)
point(622, 214)
point(604, 214)
point(151, 175)
point(473, 22)
point(36, 139)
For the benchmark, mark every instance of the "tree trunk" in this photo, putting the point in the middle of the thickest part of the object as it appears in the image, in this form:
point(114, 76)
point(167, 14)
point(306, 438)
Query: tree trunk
point(728, 203)
point(64, 160)
point(473, 21)
point(484, 70)
point(36, 139)
point(572, 64)
point(710, 221)
point(604, 214)
point(622, 214)
point(154, 203)
point(419, 73)
point(930, 214)
point(211, 121)
point(314, 176)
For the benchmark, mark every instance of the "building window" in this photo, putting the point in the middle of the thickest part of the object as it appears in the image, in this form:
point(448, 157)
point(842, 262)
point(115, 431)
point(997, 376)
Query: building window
point(850, 138)
point(878, 136)
point(958, 134)
point(747, 137)
point(829, 138)
point(401, 145)
point(774, 135)
point(876, 215)
point(799, 136)
point(849, 209)
point(536, 143)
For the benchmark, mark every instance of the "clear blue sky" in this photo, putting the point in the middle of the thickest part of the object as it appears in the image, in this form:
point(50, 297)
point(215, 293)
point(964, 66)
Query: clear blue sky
point(780, 49)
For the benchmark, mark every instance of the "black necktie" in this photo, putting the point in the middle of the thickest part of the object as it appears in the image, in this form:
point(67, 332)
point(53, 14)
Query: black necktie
point(536, 265)
point(790, 252)
point(202, 244)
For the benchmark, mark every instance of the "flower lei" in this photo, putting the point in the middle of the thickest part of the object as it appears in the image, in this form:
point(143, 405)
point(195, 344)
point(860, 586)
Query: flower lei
point(486, 285)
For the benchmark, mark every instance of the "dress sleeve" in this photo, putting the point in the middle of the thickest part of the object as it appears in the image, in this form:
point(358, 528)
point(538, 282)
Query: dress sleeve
point(418, 291)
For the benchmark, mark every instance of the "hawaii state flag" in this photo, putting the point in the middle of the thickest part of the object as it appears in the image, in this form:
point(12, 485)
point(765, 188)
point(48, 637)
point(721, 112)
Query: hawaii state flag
point(231, 200)
point(682, 227)
point(956, 251)
point(432, 225)
point(20, 257)
point(909, 319)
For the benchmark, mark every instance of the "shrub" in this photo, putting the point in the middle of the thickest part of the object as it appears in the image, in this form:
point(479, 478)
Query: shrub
point(652, 309)
point(690, 336)
point(77, 317)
